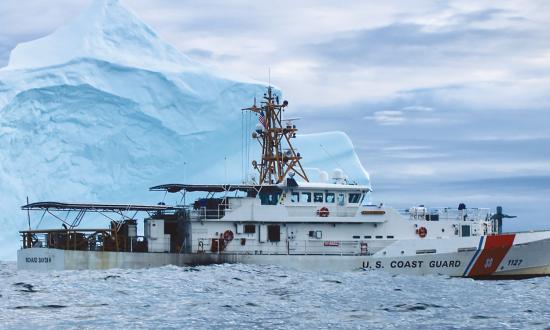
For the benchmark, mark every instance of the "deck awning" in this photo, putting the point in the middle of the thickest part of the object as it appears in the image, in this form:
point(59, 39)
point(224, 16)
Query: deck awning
point(95, 207)
point(177, 187)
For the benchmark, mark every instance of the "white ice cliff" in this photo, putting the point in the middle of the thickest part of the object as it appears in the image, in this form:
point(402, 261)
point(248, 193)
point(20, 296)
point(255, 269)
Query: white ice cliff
point(102, 109)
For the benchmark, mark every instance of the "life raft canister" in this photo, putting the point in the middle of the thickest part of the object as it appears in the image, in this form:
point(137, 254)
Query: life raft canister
point(323, 212)
point(422, 232)
point(228, 235)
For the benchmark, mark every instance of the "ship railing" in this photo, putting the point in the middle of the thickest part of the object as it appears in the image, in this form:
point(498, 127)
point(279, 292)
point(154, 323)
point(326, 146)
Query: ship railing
point(204, 213)
point(447, 214)
point(81, 240)
point(290, 247)
point(326, 247)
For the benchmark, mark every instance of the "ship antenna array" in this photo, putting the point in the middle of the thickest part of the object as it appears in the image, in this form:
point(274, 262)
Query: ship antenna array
point(279, 157)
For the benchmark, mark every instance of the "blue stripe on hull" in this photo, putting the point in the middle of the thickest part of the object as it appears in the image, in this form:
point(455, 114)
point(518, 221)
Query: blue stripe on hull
point(475, 256)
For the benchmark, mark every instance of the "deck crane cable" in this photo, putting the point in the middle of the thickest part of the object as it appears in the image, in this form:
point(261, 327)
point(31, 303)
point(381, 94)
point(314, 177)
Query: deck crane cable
point(182, 200)
point(248, 141)
point(242, 146)
point(28, 214)
point(41, 218)
point(331, 157)
point(248, 119)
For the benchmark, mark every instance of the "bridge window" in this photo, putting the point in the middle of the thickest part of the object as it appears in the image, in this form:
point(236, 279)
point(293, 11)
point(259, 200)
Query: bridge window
point(306, 197)
point(354, 198)
point(295, 197)
point(271, 198)
point(329, 198)
point(356, 237)
point(341, 199)
point(318, 197)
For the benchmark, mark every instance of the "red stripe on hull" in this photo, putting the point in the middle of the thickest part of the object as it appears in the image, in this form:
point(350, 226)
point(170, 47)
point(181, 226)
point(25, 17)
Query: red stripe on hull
point(491, 256)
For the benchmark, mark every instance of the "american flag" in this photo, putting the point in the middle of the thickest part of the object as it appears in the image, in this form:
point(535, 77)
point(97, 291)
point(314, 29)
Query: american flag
point(261, 118)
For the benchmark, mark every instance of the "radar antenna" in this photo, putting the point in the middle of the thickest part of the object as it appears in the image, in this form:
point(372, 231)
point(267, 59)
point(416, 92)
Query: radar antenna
point(279, 157)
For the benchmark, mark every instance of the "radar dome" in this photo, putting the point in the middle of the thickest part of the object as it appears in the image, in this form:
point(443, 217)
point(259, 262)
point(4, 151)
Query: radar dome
point(338, 174)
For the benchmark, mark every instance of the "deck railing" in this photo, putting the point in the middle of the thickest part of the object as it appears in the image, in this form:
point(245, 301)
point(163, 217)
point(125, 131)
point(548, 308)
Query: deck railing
point(243, 246)
point(447, 213)
point(204, 213)
point(81, 239)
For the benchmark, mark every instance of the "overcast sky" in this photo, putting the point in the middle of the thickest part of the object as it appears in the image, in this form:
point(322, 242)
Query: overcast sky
point(436, 95)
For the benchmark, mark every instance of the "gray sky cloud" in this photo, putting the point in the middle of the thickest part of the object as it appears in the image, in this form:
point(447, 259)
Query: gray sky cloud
point(416, 45)
point(368, 49)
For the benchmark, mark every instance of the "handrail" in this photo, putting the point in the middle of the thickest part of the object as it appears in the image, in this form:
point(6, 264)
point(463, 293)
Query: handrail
point(203, 212)
point(78, 239)
point(285, 247)
point(447, 213)
point(62, 230)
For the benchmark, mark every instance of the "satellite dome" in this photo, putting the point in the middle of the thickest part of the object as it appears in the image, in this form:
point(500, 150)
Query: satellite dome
point(338, 174)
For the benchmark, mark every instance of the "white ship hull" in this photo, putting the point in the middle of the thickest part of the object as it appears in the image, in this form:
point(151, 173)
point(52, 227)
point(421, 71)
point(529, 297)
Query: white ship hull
point(511, 256)
point(504, 256)
point(37, 259)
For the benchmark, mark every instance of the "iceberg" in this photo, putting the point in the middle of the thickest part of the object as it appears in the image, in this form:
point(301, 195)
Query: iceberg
point(102, 109)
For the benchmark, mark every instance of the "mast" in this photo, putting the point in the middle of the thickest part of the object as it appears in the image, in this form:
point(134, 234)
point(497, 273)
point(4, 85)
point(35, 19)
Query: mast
point(279, 157)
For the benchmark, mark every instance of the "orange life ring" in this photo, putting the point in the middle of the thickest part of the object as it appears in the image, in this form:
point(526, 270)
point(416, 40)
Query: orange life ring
point(323, 212)
point(422, 232)
point(228, 235)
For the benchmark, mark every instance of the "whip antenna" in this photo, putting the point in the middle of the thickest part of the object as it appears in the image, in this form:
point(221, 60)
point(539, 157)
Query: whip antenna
point(28, 214)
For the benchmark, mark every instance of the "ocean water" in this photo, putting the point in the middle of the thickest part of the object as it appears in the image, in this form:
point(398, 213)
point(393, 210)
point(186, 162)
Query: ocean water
point(247, 297)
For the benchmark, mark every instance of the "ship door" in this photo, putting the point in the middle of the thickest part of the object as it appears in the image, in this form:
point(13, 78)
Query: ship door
point(465, 231)
point(292, 240)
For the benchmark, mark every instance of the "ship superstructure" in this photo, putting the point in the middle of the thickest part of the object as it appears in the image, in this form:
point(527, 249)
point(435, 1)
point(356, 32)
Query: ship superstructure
point(284, 218)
